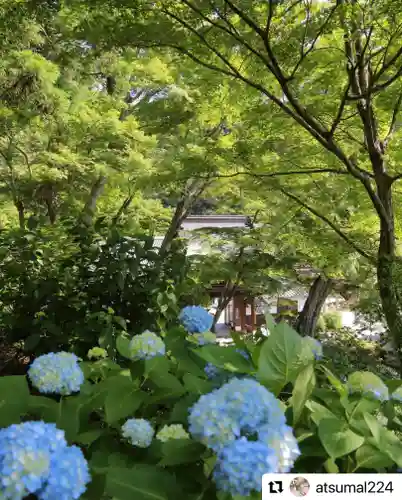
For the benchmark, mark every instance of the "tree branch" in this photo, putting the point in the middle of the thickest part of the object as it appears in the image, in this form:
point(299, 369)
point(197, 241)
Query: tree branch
point(340, 111)
point(394, 119)
point(333, 226)
point(278, 174)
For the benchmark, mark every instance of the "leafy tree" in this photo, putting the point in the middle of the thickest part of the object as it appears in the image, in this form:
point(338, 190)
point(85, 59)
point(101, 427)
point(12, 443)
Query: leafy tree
point(328, 71)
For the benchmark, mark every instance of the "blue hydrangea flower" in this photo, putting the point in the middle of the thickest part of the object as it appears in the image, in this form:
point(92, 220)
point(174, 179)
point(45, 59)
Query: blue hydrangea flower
point(68, 476)
point(315, 346)
point(212, 371)
point(217, 375)
point(241, 465)
point(195, 319)
point(56, 373)
point(173, 431)
point(138, 431)
point(29, 454)
point(237, 408)
point(146, 346)
point(205, 338)
point(282, 441)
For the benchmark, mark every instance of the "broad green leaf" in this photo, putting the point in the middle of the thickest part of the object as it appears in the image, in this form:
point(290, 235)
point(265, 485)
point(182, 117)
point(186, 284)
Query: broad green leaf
point(337, 438)
point(14, 399)
point(122, 345)
point(31, 342)
point(302, 390)
point(278, 362)
point(168, 382)
point(159, 364)
point(196, 385)
point(88, 437)
point(224, 357)
point(370, 457)
point(44, 408)
point(367, 382)
point(385, 440)
point(123, 398)
point(181, 451)
point(335, 382)
point(139, 483)
point(181, 409)
point(331, 467)
point(319, 412)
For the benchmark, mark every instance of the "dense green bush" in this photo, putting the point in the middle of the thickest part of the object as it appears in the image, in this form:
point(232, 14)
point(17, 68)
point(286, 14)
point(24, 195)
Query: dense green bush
point(63, 288)
point(340, 427)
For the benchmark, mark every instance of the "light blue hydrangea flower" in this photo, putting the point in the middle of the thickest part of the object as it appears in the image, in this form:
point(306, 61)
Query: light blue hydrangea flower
point(195, 319)
point(173, 431)
point(56, 373)
point(282, 441)
point(204, 338)
point(68, 476)
point(315, 346)
point(237, 408)
point(241, 465)
point(33, 457)
point(146, 346)
point(138, 431)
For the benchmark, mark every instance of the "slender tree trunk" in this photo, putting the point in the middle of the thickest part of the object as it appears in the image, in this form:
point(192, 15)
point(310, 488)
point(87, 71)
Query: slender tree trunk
point(21, 213)
point(318, 293)
point(88, 211)
point(226, 296)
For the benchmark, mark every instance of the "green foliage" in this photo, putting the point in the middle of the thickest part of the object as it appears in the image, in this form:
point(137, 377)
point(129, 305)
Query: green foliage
point(67, 289)
point(337, 430)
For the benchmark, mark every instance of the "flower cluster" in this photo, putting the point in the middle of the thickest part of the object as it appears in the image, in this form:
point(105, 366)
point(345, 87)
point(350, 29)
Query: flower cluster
point(97, 353)
point(173, 431)
point(195, 319)
point(217, 375)
point(246, 426)
point(56, 373)
point(35, 459)
point(315, 346)
point(138, 431)
point(146, 346)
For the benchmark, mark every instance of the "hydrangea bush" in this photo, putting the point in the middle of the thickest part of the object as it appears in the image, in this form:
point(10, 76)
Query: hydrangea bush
point(171, 418)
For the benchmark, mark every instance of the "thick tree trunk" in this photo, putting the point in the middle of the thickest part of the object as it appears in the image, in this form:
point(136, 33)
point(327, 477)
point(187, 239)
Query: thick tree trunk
point(388, 274)
point(318, 293)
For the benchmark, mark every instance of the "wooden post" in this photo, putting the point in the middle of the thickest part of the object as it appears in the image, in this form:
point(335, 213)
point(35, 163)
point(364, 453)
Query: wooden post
point(253, 314)
point(242, 303)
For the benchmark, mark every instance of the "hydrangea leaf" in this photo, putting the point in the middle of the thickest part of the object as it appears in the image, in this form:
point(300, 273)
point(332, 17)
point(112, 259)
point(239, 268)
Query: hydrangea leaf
point(337, 438)
point(14, 399)
point(123, 398)
point(141, 483)
point(369, 384)
point(304, 385)
point(181, 451)
point(278, 362)
point(370, 457)
point(225, 357)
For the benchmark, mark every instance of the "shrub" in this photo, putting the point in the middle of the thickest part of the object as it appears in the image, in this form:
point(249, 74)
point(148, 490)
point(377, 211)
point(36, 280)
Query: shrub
point(331, 321)
point(63, 288)
point(302, 417)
